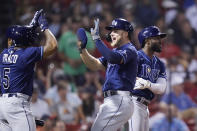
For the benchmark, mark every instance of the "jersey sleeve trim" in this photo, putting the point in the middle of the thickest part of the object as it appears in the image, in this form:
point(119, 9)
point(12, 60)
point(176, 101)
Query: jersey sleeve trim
point(103, 63)
point(42, 51)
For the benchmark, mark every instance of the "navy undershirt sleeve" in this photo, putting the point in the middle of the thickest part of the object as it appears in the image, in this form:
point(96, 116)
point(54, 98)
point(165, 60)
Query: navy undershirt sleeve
point(111, 56)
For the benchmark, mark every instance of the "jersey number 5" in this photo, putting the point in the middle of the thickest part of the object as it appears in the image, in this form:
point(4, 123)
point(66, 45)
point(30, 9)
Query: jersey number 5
point(6, 79)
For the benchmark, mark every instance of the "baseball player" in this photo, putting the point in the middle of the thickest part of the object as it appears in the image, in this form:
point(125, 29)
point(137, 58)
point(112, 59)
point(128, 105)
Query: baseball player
point(17, 64)
point(121, 68)
point(151, 77)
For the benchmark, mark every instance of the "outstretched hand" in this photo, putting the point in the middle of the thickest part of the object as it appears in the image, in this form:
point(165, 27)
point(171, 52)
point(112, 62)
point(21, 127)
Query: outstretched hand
point(34, 21)
point(43, 23)
point(95, 31)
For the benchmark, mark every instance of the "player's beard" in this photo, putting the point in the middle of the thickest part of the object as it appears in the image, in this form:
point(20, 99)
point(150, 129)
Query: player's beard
point(116, 42)
point(156, 47)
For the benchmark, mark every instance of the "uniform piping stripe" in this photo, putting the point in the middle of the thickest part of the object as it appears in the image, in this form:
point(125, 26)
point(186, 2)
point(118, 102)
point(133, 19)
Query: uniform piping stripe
point(131, 124)
point(26, 116)
point(113, 115)
point(42, 50)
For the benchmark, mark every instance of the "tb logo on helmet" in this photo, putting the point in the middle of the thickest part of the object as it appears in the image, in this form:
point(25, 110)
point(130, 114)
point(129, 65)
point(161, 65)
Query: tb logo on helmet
point(114, 22)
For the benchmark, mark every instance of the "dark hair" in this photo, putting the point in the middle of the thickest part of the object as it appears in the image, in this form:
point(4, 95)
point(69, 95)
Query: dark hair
point(130, 35)
point(143, 44)
point(61, 87)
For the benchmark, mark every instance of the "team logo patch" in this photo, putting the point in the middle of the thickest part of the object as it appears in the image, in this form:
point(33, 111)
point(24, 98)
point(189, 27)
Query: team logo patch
point(148, 69)
point(114, 22)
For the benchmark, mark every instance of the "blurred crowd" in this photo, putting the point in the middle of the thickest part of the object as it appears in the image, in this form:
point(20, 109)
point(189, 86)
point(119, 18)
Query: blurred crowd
point(67, 95)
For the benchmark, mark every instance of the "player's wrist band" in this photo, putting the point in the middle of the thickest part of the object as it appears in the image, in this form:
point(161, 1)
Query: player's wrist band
point(80, 50)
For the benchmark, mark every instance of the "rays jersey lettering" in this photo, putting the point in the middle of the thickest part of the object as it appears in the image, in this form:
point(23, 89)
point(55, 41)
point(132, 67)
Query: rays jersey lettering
point(148, 73)
point(149, 69)
point(9, 58)
point(17, 69)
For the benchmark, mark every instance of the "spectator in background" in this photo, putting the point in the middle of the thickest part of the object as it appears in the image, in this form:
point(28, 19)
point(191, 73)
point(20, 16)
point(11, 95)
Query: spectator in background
point(160, 23)
point(138, 28)
point(188, 3)
point(59, 126)
point(38, 106)
point(64, 99)
point(192, 68)
point(184, 60)
point(53, 95)
point(66, 110)
point(55, 23)
point(48, 124)
point(170, 10)
point(145, 13)
point(187, 37)
point(69, 53)
point(93, 82)
point(170, 122)
point(55, 77)
point(182, 101)
point(90, 106)
point(28, 13)
point(191, 14)
point(95, 7)
point(170, 49)
point(191, 87)
point(160, 114)
point(174, 70)
point(176, 24)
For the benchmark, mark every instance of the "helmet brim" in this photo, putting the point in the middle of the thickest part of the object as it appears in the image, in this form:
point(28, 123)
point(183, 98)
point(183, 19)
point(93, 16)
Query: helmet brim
point(111, 27)
point(162, 35)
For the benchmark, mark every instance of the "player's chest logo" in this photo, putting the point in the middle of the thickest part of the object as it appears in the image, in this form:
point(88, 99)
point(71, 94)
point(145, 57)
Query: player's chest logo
point(148, 73)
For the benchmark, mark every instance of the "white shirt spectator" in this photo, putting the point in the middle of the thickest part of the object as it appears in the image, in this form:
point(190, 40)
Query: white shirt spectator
point(73, 98)
point(40, 108)
point(191, 14)
point(66, 112)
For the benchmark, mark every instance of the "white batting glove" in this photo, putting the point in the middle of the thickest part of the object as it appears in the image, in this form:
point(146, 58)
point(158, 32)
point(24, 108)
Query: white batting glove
point(95, 31)
point(142, 84)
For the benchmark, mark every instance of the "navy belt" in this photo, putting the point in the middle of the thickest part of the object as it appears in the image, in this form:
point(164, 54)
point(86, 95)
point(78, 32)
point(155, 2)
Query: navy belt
point(16, 95)
point(142, 100)
point(10, 95)
point(112, 93)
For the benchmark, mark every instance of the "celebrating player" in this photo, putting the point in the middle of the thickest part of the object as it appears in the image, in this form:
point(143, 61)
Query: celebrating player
point(121, 68)
point(151, 76)
point(17, 64)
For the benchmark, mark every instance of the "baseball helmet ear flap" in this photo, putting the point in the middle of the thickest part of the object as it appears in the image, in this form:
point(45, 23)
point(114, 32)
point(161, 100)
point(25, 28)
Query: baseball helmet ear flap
point(151, 31)
point(108, 37)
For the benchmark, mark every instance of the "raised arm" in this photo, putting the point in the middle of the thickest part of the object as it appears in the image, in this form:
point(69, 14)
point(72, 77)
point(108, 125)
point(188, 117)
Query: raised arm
point(90, 61)
point(51, 42)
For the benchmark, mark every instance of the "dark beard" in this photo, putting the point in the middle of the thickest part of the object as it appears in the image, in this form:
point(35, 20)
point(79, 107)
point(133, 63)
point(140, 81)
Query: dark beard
point(156, 48)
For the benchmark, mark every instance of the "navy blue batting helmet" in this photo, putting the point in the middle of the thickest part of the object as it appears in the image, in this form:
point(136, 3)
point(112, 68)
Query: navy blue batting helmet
point(120, 24)
point(151, 31)
point(21, 35)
